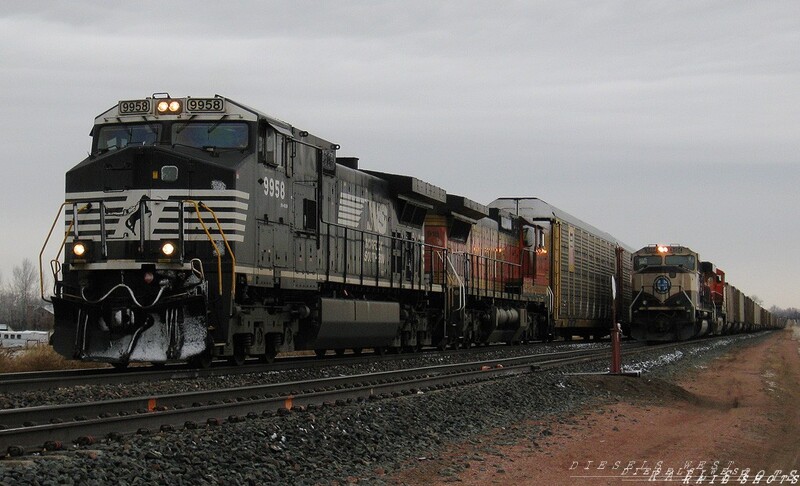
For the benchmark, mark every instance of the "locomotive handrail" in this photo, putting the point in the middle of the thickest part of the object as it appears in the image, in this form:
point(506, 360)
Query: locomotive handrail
point(490, 274)
point(60, 248)
point(361, 233)
point(197, 205)
point(462, 293)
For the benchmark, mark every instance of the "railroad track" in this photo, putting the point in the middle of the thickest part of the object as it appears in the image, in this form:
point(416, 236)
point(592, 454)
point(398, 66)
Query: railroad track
point(50, 427)
point(45, 380)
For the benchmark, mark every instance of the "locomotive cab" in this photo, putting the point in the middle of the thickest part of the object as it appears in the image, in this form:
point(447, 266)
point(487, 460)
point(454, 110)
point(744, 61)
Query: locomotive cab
point(155, 217)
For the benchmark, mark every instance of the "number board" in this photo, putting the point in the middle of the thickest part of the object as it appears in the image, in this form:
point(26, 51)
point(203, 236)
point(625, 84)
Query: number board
point(205, 105)
point(134, 107)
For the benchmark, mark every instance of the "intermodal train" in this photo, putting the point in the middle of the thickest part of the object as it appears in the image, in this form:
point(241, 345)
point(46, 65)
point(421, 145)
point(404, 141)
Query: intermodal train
point(200, 228)
point(678, 297)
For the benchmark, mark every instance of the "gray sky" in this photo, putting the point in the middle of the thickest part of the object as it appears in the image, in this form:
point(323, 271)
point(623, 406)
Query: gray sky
point(659, 122)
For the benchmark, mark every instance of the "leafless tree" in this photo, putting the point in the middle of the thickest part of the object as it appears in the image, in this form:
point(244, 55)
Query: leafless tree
point(22, 295)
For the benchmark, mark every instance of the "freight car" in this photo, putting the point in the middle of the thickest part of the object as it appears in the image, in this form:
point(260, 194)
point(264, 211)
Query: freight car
point(200, 228)
point(576, 269)
point(678, 297)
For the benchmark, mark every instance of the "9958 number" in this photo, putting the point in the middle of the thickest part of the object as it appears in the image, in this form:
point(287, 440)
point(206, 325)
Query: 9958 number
point(134, 107)
point(205, 104)
point(274, 188)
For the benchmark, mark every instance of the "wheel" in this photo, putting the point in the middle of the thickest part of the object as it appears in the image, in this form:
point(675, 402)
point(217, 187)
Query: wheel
point(271, 349)
point(201, 361)
point(380, 350)
point(238, 358)
point(268, 356)
point(120, 365)
point(357, 351)
point(320, 352)
point(339, 351)
point(204, 359)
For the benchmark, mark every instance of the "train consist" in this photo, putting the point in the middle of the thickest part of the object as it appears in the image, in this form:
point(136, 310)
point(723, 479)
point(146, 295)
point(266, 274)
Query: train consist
point(199, 228)
point(678, 297)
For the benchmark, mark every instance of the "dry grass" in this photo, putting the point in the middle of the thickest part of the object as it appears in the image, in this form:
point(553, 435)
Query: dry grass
point(37, 358)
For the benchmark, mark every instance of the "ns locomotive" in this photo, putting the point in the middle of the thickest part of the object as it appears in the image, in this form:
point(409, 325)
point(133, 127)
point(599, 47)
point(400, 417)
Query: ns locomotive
point(678, 297)
point(200, 228)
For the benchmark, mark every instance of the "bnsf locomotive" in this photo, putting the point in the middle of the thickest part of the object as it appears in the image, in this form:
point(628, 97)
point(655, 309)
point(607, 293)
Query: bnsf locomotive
point(199, 228)
point(679, 297)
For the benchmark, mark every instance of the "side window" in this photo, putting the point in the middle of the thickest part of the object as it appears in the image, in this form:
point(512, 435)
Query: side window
point(275, 148)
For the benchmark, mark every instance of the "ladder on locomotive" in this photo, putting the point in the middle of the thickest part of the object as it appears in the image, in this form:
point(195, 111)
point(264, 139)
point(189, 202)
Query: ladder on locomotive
point(456, 293)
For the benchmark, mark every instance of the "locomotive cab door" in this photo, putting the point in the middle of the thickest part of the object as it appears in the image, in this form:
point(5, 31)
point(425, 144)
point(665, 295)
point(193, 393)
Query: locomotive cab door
point(273, 203)
point(306, 226)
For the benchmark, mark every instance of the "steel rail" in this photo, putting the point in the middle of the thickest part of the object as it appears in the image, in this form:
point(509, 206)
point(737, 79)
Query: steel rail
point(45, 380)
point(29, 428)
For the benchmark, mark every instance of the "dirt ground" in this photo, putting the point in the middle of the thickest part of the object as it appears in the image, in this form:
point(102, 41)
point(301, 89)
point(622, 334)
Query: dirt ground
point(735, 422)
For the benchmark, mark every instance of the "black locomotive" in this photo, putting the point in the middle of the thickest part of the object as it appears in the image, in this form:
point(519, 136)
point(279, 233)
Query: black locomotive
point(201, 228)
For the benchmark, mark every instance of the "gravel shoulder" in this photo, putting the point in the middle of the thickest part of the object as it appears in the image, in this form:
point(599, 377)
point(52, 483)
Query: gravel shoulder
point(736, 415)
point(528, 429)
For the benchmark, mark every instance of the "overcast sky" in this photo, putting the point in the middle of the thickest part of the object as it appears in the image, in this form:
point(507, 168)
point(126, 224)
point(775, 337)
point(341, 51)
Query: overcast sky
point(658, 122)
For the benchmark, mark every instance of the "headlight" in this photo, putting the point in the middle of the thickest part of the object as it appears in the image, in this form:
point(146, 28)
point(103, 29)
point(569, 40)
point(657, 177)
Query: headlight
point(82, 250)
point(79, 249)
point(168, 248)
point(171, 107)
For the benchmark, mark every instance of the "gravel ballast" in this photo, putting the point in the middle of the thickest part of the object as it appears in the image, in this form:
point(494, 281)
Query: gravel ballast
point(347, 442)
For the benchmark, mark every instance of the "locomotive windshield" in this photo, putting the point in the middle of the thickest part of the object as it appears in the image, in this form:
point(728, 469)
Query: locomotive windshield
point(118, 136)
point(685, 261)
point(211, 134)
point(641, 262)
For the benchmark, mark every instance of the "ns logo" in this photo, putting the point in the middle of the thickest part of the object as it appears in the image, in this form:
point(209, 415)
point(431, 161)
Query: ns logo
point(355, 211)
point(378, 217)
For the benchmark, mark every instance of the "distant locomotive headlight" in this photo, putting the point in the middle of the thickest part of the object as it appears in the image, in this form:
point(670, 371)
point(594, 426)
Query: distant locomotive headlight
point(168, 248)
point(163, 106)
point(79, 249)
point(174, 106)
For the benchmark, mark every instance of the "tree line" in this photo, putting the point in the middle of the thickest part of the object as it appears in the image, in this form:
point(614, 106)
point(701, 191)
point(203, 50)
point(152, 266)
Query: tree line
point(21, 304)
point(790, 312)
